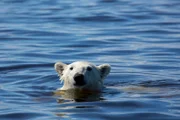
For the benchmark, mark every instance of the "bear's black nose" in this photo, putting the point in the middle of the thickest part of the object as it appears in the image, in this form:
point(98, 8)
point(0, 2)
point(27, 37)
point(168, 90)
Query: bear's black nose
point(79, 80)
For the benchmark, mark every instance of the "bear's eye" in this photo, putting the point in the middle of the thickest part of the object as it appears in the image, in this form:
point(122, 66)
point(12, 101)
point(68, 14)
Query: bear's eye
point(71, 68)
point(89, 68)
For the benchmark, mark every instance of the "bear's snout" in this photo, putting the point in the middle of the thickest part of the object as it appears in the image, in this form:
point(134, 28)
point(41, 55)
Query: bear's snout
point(79, 80)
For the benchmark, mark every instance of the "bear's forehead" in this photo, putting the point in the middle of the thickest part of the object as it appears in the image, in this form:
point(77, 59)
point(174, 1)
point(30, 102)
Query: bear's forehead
point(81, 64)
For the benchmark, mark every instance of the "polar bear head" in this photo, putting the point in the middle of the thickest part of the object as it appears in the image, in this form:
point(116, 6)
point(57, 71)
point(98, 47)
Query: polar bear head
point(82, 75)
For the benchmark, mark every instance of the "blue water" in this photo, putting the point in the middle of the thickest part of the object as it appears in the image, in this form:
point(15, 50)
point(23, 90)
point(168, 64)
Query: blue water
point(140, 40)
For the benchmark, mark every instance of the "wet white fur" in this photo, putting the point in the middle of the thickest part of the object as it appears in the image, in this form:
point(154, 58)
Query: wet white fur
point(94, 78)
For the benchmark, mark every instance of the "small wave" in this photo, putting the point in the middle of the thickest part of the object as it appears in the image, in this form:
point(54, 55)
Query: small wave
point(161, 83)
point(108, 1)
point(24, 66)
point(101, 18)
point(21, 115)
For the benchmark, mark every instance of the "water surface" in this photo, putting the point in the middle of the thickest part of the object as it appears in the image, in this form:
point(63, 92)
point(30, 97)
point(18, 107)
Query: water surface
point(139, 39)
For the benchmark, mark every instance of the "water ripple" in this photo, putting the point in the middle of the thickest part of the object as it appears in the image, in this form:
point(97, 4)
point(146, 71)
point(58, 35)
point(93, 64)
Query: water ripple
point(139, 39)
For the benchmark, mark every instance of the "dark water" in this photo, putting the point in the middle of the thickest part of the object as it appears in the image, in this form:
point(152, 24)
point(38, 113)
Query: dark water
point(139, 38)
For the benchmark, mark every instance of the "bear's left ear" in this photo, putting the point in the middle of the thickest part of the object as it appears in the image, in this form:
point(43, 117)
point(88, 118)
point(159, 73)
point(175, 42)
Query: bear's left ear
point(60, 67)
point(104, 70)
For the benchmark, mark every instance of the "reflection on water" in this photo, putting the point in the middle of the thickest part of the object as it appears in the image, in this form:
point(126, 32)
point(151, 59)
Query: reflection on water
point(139, 39)
point(78, 95)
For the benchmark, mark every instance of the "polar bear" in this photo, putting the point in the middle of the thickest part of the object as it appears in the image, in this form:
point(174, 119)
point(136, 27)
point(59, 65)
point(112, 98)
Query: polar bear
point(82, 75)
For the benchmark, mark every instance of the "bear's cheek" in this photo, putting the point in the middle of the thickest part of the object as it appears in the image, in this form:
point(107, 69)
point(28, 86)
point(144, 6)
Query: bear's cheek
point(69, 81)
point(68, 76)
point(91, 78)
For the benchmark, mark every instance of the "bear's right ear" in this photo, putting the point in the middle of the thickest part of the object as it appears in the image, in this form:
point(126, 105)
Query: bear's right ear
point(104, 70)
point(60, 67)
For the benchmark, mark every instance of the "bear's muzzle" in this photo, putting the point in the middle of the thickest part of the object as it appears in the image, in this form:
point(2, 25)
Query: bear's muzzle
point(79, 80)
